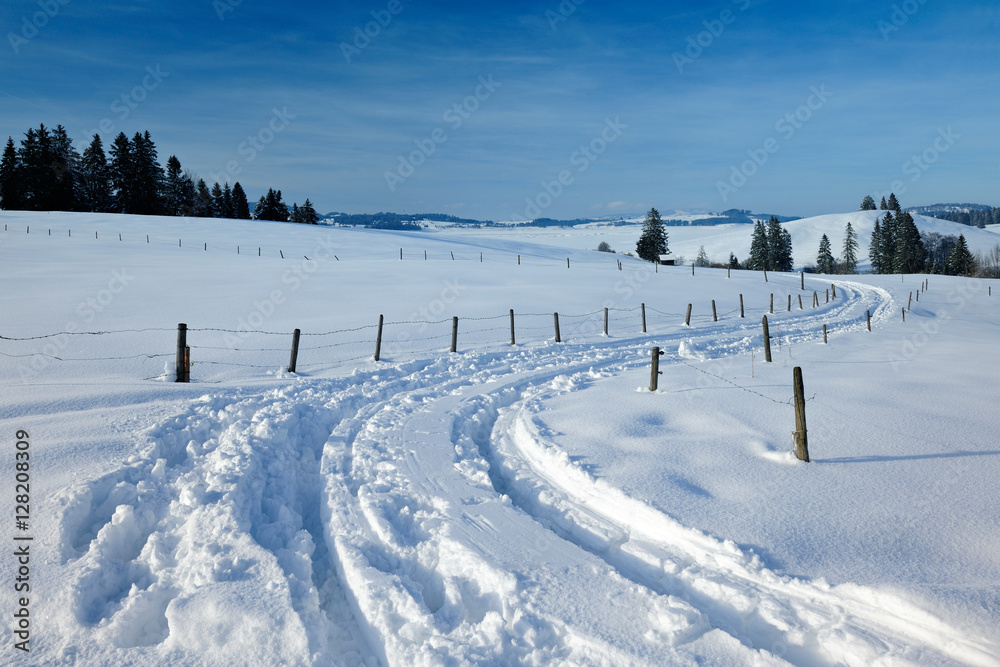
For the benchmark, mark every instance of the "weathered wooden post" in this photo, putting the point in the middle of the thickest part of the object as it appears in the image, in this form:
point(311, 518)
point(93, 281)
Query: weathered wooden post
point(453, 256)
point(904, 315)
point(692, 269)
point(741, 305)
point(295, 351)
point(643, 318)
point(767, 340)
point(425, 255)
point(401, 253)
point(771, 309)
point(687, 318)
point(789, 303)
point(378, 339)
point(868, 316)
point(828, 295)
point(765, 276)
point(605, 321)
point(518, 259)
point(909, 301)
point(918, 296)
point(511, 326)
point(179, 365)
point(715, 317)
point(567, 262)
point(802, 280)
point(556, 317)
point(834, 289)
point(801, 435)
point(824, 334)
point(815, 300)
point(655, 375)
point(454, 334)
point(729, 272)
point(800, 302)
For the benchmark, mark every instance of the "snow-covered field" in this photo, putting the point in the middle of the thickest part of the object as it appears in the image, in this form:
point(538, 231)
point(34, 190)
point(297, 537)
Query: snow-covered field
point(506, 504)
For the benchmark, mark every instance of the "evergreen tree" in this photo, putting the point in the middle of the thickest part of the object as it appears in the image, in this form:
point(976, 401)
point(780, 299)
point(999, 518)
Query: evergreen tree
point(10, 178)
point(849, 258)
point(294, 216)
point(95, 179)
point(228, 210)
point(173, 189)
point(308, 213)
point(702, 258)
point(887, 248)
point(241, 207)
point(149, 176)
point(875, 249)
point(66, 189)
point(779, 246)
point(883, 206)
point(758, 248)
point(910, 255)
point(653, 240)
point(824, 259)
point(122, 174)
point(868, 204)
point(218, 201)
point(270, 207)
point(733, 262)
point(893, 203)
point(961, 262)
point(204, 205)
point(36, 157)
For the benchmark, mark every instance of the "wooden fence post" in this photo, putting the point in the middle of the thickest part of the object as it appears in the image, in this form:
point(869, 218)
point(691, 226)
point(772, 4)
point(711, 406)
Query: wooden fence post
point(789, 303)
point(771, 310)
point(692, 269)
point(401, 253)
point(904, 315)
point(453, 255)
point(909, 301)
point(828, 295)
point(295, 351)
point(800, 302)
point(824, 334)
point(729, 272)
point(454, 334)
point(868, 315)
point(767, 340)
point(741, 305)
point(715, 317)
point(687, 318)
point(512, 326)
point(918, 296)
point(765, 275)
point(643, 318)
point(815, 300)
point(378, 339)
point(181, 344)
point(556, 317)
point(802, 280)
point(834, 289)
point(801, 435)
point(605, 321)
point(654, 377)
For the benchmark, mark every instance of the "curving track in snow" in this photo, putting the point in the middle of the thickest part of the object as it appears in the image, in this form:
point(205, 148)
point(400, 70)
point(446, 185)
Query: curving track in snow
point(415, 514)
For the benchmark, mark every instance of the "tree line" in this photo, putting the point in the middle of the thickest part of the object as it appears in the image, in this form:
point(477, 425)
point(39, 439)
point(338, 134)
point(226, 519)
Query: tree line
point(46, 173)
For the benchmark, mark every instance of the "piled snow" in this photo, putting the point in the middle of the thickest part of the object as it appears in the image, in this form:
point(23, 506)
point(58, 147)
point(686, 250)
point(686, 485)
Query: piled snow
point(509, 504)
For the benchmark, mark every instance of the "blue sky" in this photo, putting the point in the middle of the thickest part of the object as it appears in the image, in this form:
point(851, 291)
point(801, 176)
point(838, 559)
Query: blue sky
point(526, 109)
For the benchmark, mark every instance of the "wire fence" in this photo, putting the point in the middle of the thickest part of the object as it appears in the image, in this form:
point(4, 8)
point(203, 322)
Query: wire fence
point(151, 352)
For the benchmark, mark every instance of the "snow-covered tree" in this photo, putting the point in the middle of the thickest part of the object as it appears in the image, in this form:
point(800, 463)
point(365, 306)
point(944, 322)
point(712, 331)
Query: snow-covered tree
point(868, 204)
point(824, 259)
point(653, 240)
point(849, 257)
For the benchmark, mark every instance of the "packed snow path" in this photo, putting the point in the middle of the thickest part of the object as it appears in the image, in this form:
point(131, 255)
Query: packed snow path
point(416, 514)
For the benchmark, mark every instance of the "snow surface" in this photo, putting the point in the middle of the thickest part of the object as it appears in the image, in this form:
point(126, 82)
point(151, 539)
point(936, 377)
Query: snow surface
point(529, 504)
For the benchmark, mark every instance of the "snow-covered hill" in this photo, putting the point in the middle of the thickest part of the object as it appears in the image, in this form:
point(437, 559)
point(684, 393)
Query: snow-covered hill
point(530, 503)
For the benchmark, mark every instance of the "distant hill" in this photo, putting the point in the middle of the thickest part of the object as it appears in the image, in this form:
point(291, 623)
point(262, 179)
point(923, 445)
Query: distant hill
point(397, 221)
point(974, 215)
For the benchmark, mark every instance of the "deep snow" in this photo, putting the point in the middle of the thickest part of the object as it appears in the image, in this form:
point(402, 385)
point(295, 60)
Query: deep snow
point(526, 504)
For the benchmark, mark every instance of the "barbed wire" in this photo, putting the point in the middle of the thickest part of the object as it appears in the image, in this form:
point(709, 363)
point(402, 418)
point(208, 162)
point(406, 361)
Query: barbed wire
point(738, 386)
point(84, 333)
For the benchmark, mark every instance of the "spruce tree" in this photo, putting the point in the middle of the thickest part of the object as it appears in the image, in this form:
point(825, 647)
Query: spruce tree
point(702, 258)
point(849, 258)
point(66, 190)
point(893, 203)
point(122, 174)
point(308, 213)
point(961, 262)
point(228, 210)
point(757, 261)
point(95, 178)
point(241, 207)
point(733, 262)
point(653, 240)
point(910, 256)
point(883, 206)
point(149, 176)
point(173, 188)
point(204, 206)
point(218, 201)
point(868, 204)
point(824, 259)
point(888, 247)
point(10, 178)
point(875, 249)
point(294, 216)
